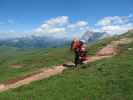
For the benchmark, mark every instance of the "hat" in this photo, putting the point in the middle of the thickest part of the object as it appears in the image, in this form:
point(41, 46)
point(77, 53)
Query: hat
point(83, 41)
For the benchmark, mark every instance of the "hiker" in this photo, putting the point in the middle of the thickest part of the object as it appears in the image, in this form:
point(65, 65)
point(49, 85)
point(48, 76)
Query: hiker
point(75, 46)
point(80, 51)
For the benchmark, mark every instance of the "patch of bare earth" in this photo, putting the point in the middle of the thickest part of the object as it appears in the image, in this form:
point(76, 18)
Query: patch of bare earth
point(16, 66)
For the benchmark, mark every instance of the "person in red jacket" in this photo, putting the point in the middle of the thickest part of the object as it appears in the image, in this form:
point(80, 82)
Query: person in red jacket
point(75, 46)
point(80, 51)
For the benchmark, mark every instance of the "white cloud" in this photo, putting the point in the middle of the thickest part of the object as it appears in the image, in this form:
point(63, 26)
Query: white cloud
point(53, 27)
point(49, 31)
point(114, 20)
point(78, 27)
point(39, 29)
point(81, 23)
point(55, 30)
point(57, 21)
point(104, 22)
point(116, 24)
point(117, 29)
point(61, 25)
point(78, 24)
point(45, 26)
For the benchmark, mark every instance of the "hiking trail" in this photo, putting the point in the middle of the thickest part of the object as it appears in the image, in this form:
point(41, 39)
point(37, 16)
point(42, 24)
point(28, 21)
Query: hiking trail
point(106, 52)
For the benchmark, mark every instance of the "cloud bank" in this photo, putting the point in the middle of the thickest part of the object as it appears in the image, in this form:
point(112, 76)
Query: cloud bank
point(116, 24)
point(52, 26)
point(62, 27)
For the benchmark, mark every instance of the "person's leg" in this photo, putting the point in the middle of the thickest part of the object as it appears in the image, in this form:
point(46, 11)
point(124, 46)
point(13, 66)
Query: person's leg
point(81, 61)
point(76, 60)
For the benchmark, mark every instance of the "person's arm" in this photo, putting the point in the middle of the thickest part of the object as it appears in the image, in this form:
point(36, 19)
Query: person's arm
point(71, 45)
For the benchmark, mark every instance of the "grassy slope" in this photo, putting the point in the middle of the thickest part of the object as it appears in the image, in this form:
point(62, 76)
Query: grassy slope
point(30, 60)
point(94, 47)
point(109, 79)
point(37, 58)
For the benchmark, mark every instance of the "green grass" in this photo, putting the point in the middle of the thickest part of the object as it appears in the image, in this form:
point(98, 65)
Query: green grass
point(108, 79)
point(30, 59)
point(127, 34)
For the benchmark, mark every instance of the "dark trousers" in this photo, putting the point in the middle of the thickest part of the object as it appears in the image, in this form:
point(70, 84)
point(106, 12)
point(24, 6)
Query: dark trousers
point(77, 58)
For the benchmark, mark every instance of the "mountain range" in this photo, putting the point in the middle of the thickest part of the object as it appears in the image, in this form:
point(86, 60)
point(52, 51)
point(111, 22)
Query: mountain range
point(94, 36)
point(35, 42)
point(47, 42)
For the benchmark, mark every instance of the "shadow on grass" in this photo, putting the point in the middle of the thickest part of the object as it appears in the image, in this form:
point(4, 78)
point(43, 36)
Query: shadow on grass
point(68, 65)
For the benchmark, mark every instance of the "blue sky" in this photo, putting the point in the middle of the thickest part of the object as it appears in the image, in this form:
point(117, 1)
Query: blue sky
point(27, 15)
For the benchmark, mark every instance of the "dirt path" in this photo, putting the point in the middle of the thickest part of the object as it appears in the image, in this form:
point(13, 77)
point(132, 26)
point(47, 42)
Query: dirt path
point(44, 73)
point(106, 52)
